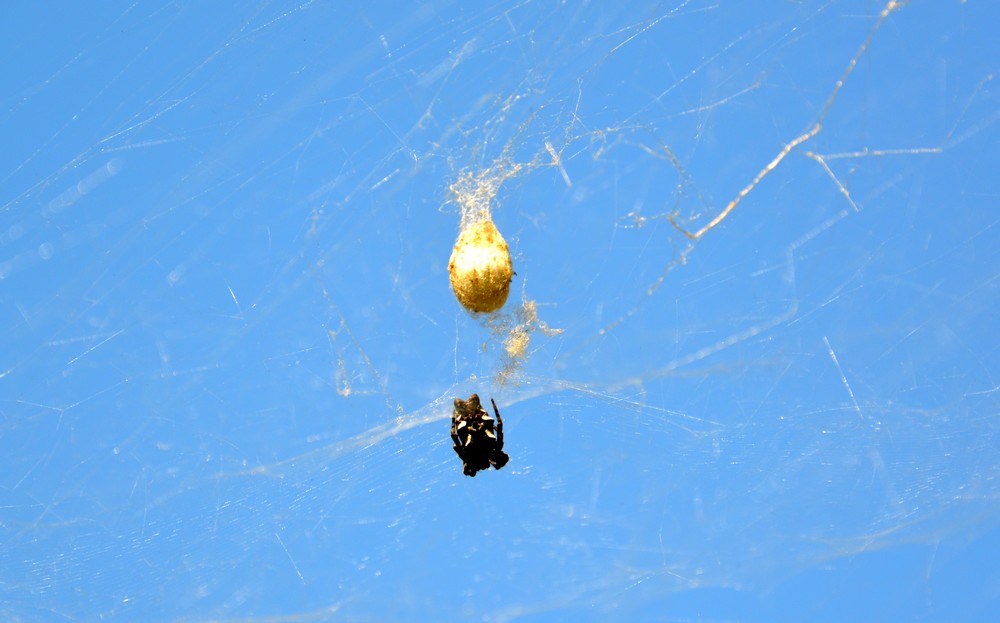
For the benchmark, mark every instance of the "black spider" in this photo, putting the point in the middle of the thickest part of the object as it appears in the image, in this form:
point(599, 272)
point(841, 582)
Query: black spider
point(477, 442)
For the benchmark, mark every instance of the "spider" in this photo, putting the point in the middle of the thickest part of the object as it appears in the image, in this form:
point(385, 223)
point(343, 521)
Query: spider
point(477, 443)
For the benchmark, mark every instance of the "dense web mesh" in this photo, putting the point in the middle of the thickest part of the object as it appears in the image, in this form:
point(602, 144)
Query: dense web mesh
point(751, 339)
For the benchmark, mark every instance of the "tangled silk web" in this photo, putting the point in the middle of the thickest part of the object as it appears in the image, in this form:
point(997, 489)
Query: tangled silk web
point(481, 244)
point(748, 334)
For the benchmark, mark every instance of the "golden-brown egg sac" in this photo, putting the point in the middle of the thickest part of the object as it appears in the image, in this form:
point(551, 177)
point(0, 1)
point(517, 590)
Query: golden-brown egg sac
point(480, 268)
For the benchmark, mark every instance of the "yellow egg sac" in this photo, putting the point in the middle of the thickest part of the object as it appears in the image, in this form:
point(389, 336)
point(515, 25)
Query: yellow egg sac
point(480, 268)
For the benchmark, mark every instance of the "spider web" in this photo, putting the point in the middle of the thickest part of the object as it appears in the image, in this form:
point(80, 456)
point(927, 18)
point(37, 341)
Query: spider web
point(747, 367)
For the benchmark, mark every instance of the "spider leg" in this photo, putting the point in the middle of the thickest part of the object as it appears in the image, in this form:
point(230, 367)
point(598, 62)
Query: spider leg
point(499, 458)
point(454, 431)
point(499, 427)
point(458, 447)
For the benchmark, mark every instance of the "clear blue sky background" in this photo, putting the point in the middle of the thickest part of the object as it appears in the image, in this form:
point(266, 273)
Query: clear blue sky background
point(228, 345)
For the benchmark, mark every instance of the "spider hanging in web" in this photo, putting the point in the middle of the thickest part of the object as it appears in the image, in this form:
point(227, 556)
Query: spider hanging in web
point(477, 441)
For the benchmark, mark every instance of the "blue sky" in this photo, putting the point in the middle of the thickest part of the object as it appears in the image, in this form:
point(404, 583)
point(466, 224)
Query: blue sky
point(229, 346)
